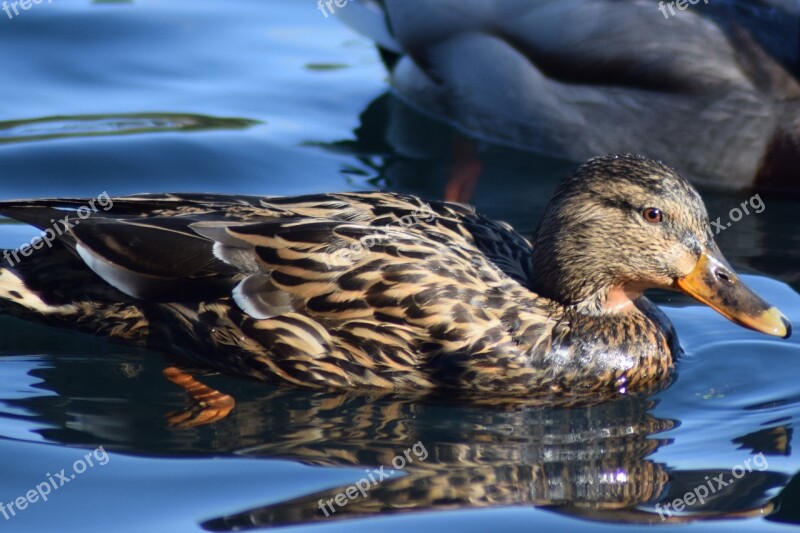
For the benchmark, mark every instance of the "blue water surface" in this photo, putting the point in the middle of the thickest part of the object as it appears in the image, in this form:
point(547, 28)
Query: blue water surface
point(271, 97)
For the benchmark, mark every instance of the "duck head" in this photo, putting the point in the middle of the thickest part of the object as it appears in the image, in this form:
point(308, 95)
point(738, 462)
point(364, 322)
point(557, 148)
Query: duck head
point(623, 224)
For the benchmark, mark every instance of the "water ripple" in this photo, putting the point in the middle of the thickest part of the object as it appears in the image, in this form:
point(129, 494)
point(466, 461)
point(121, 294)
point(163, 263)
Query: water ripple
point(56, 127)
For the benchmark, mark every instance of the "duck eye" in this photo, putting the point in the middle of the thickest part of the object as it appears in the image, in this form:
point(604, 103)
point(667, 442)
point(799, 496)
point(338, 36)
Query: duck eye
point(653, 215)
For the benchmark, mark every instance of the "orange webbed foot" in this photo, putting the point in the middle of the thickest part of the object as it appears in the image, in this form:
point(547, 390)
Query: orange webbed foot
point(208, 405)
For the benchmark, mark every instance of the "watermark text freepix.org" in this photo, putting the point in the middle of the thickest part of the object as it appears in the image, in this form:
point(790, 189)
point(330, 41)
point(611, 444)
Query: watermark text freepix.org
point(712, 485)
point(322, 4)
point(376, 476)
point(53, 482)
point(680, 4)
point(736, 214)
point(59, 227)
point(359, 249)
point(23, 4)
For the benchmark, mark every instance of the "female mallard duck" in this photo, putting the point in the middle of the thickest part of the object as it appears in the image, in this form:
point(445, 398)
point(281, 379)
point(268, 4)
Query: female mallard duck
point(385, 291)
point(713, 87)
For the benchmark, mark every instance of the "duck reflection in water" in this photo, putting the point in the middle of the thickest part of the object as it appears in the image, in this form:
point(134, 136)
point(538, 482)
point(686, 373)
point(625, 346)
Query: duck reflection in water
point(594, 462)
point(591, 462)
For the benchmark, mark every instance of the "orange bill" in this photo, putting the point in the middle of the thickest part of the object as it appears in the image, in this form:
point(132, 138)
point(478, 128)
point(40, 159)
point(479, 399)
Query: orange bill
point(714, 283)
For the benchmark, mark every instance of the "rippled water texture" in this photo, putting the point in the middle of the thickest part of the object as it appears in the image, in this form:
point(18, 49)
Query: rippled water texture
point(273, 98)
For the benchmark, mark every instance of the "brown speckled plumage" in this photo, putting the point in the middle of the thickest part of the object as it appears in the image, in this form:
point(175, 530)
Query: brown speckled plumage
point(378, 289)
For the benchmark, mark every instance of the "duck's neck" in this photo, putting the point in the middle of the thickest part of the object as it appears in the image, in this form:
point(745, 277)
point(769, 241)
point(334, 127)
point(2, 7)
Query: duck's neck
point(595, 296)
point(562, 271)
point(610, 300)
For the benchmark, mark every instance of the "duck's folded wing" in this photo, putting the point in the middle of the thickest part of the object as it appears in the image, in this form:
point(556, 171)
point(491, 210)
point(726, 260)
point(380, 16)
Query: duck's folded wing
point(345, 256)
point(339, 269)
point(156, 258)
point(150, 258)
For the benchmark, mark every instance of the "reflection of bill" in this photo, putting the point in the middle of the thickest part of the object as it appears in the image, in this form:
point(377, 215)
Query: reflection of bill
point(701, 492)
point(360, 248)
